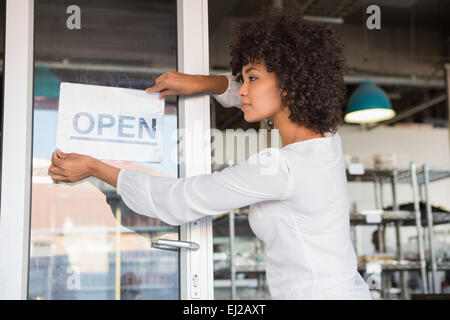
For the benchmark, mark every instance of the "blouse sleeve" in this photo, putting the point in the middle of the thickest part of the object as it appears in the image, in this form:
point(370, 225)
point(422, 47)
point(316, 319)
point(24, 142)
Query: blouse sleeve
point(230, 98)
point(264, 176)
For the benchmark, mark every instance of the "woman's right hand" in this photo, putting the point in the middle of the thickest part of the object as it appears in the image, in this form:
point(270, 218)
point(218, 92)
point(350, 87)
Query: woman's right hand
point(174, 83)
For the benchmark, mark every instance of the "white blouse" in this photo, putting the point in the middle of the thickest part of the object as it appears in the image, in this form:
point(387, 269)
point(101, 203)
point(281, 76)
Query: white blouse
point(299, 208)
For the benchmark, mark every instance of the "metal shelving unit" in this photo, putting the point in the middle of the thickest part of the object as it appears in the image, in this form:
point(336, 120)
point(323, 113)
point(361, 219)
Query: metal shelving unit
point(417, 179)
point(237, 223)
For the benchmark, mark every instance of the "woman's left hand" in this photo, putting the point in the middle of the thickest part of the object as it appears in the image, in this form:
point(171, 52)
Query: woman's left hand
point(69, 167)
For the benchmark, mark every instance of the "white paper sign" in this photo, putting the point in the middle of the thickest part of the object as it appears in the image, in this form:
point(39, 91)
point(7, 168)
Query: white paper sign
point(110, 123)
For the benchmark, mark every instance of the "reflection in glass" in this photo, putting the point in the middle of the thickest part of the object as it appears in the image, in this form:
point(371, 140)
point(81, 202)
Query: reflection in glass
point(85, 243)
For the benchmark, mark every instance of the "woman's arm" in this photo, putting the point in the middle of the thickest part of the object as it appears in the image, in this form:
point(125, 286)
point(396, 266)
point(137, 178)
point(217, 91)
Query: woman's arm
point(73, 167)
point(104, 171)
point(224, 88)
point(230, 98)
point(264, 176)
point(176, 83)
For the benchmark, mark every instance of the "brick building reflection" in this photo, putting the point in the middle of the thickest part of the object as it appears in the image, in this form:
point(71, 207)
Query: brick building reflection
point(78, 247)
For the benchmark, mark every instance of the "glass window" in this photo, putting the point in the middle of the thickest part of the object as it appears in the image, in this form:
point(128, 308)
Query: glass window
point(85, 243)
point(234, 245)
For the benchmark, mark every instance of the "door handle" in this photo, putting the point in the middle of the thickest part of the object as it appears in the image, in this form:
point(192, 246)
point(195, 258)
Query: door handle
point(175, 245)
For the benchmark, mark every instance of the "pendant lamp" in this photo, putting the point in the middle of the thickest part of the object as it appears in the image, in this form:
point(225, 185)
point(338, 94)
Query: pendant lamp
point(368, 104)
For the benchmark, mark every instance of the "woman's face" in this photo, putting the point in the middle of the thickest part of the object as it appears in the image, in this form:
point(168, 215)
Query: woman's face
point(260, 93)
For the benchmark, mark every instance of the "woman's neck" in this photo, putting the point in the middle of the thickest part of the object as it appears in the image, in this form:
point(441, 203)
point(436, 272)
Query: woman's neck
point(291, 132)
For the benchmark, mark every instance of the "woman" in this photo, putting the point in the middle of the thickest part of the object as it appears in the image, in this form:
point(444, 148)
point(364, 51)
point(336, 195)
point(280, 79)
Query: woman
point(291, 74)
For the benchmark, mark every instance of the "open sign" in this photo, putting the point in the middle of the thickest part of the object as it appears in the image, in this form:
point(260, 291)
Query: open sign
point(84, 123)
point(110, 123)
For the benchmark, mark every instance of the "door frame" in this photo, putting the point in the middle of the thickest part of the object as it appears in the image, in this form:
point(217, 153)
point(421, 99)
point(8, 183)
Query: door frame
point(16, 153)
point(15, 197)
point(196, 267)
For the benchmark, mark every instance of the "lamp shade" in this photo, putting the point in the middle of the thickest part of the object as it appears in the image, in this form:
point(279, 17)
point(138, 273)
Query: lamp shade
point(368, 104)
point(46, 83)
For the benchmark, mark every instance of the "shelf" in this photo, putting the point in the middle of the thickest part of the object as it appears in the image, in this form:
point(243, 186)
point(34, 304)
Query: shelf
point(443, 266)
point(403, 265)
point(435, 175)
point(392, 265)
point(370, 175)
point(407, 218)
point(384, 217)
point(403, 176)
point(241, 283)
point(242, 269)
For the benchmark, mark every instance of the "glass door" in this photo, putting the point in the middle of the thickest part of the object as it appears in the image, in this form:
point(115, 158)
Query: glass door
point(85, 243)
point(80, 241)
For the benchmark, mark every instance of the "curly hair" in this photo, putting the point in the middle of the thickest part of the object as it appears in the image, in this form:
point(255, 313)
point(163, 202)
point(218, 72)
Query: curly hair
point(306, 58)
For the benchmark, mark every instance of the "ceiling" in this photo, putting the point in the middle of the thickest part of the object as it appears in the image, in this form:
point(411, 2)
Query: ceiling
point(136, 40)
point(425, 13)
point(411, 15)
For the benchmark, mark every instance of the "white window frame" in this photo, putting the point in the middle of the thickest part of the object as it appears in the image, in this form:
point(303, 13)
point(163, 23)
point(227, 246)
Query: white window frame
point(194, 118)
point(16, 153)
point(193, 57)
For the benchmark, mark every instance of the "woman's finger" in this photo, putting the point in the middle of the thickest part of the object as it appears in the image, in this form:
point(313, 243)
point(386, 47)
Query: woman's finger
point(58, 177)
point(55, 170)
point(61, 154)
point(151, 89)
point(55, 160)
point(155, 88)
point(165, 93)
